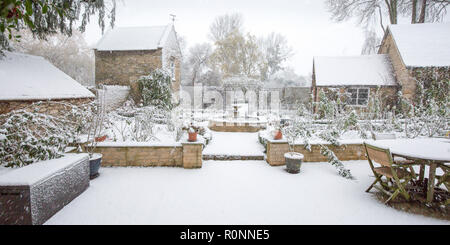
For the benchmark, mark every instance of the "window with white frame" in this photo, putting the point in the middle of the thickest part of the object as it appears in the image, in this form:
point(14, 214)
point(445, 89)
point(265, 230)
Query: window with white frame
point(358, 96)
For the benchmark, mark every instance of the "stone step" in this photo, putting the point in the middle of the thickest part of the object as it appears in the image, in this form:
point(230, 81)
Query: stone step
point(232, 157)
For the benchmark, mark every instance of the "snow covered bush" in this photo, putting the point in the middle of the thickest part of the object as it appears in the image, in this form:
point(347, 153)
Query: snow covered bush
point(27, 137)
point(429, 114)
point(156, 89)
point(302, 128)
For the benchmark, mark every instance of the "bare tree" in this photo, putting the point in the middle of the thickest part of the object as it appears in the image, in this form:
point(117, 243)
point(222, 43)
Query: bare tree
point(225, 25)
point(275, 51)
point(366, 12)
point(198, 60)
point(422, 11)
point(70, 54)
point(371, 43)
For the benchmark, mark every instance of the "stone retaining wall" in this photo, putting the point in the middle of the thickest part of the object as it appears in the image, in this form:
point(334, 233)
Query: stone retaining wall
point(347, 152)
point(46, 107)
point(186, 155)
point(235, 126)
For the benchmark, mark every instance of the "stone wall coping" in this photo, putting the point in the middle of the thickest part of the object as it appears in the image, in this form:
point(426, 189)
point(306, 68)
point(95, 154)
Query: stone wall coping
point(316, 142)
point(272, 141)
point(138, 144)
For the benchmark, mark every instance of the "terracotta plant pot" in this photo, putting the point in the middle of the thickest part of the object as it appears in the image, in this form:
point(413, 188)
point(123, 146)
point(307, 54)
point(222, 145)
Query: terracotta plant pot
point(192, 136)
point(100, 139)
point(278, 135)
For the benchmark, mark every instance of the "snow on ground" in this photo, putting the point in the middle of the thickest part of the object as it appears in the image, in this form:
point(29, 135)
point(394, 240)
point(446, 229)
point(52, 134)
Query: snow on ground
point(233, 192)
point(4, 170)
point(238, 144)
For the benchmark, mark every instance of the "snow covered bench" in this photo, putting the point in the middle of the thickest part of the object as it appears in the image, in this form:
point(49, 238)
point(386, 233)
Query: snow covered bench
point(32, 194)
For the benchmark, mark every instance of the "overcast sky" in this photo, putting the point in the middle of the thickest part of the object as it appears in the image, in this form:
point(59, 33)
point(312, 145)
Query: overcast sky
point(305, 23)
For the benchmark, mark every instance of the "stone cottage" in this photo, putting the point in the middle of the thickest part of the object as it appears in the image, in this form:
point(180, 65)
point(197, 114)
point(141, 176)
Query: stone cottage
point(360, 77)
point(124, 54)
point(415, 50)
point(25, 79)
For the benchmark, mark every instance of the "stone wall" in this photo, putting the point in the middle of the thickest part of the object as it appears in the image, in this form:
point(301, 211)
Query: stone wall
point(187, 155)
point(43, 107)
point(402, 73)
point(235, 126)
point(192, 155)
point(277, 148)
point(388, 95)
point(123, 67)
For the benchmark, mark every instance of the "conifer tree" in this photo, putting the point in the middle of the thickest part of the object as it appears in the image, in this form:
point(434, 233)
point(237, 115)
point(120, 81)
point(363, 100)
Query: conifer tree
point(47, 17)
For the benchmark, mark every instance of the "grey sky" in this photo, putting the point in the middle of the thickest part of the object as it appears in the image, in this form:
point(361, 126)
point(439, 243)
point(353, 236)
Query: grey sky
point(305, 23)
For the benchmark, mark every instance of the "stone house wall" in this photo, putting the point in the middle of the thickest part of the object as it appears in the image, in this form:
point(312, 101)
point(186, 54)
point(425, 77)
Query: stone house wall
point(46, 107)
point(388, 95)
point(403, 74)
point(125, 67)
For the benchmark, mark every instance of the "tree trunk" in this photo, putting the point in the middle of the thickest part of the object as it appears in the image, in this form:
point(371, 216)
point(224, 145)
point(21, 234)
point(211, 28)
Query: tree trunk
point(392, 8)
point(414, 12)
point(422, 12)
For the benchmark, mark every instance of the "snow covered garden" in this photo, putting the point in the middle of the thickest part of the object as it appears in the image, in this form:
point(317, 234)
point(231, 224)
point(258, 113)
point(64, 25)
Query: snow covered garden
point(225, 133)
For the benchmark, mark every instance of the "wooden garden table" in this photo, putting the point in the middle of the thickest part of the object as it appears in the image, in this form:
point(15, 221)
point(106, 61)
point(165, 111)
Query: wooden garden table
point(429, 151)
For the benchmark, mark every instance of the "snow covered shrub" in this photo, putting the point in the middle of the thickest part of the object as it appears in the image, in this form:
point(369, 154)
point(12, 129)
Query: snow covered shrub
point(177, 122)
point(428, 116)
point(27, 137)
point(302, 128)
point(156, 89)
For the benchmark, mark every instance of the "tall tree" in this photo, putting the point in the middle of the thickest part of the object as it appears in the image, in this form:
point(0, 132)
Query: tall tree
point(422, 11)
point(225, 25)
point(70, 54)
point(47, 17)
point(370, 11)
point(275, 51)
point(197, 61)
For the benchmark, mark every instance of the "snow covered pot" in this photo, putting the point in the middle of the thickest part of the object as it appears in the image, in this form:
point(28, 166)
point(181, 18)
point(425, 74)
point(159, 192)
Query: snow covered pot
point(95, 161)
point(293, 162)
point(192, 135)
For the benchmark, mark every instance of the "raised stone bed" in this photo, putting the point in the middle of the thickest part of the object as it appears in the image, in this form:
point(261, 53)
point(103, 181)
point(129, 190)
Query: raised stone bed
point(350, 150)
point(32, 194)
point(148, 154)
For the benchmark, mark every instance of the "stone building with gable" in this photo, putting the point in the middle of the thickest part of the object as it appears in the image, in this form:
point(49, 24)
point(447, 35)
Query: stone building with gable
point(124, 54)
point(415, 51)
point(408, 53)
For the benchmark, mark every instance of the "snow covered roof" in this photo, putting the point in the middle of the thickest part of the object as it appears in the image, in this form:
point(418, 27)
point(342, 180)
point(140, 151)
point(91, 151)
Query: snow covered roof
point(423, 45)
point(363, 70)
point(134, 38)
point(29, 77)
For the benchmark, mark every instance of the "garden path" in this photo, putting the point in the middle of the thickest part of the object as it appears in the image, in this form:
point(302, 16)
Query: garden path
point(234, 144)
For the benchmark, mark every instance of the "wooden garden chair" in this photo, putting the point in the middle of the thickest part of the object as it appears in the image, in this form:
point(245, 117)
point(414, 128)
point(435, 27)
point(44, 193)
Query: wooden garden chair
point(393, 173)
point(391, 136)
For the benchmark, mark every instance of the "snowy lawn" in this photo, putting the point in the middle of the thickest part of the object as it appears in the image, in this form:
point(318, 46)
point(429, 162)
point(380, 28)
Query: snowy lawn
point(233, 192)
point(238, 144)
